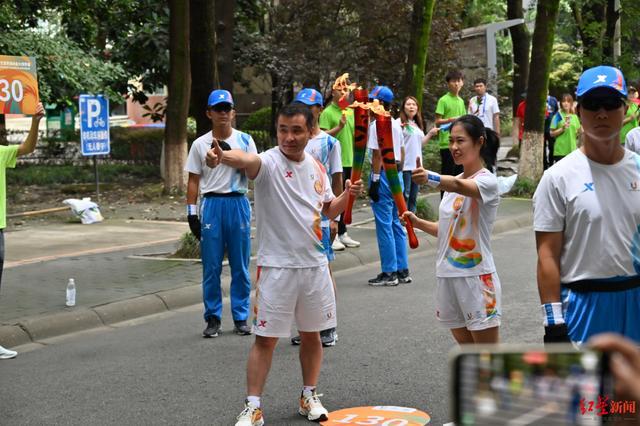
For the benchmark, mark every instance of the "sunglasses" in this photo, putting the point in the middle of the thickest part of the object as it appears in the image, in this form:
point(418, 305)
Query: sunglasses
point(594, 103)
point(221, 107)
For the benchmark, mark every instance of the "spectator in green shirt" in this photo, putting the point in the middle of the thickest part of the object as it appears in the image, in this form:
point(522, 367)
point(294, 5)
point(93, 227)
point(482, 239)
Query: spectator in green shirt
point(340, 124)
point(630, 121)
point(8, 155)
point(565, 129)
point(449, 107)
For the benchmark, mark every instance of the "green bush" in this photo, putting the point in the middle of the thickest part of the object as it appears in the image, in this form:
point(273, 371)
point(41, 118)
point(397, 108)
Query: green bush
point(189, 247)
point(514, 152)
point(431, 156)
point(258, 120)
point(262, 138)
point(424, 210)
point(66, 174)
point(523, 188)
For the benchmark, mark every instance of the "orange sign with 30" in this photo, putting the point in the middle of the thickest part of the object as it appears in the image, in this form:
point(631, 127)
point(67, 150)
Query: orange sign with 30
point(18, 85)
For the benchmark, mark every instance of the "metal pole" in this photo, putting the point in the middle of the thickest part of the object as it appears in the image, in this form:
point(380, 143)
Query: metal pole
point(95, 170)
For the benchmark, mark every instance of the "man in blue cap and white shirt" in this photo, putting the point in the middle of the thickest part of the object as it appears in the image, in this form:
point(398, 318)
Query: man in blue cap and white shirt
point(587, 223)
point(224, 222)
point(392, 241)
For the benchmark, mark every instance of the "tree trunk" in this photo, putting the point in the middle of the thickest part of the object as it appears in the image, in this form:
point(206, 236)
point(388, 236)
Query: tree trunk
point(422, 44)
point(3, 130)
point(224, 10)
point(203, 60)
point(416, 22)
point(590, 17)
point(533, 139)
point(609, 42)
point(175, 133)
point(521, 41)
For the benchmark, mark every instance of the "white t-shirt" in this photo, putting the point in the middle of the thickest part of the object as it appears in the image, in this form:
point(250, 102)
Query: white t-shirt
point(221, 179)
point(484, 108)
point(632, 141)
point(464, 230)
point(597, 206)
point(289, 197)
point(396, 134)
point(326, 149)
point(412, 145)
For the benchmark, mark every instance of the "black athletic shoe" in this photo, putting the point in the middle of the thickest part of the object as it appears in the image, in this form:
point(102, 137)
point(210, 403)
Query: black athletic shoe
point(403, 277)
point(213, 326)
point(329, 337)
point(384, 278)
point(295, 341)
point(241, 328)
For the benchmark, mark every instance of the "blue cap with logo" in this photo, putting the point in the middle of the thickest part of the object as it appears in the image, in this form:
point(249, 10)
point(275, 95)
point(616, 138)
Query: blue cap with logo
point(602, 76)
point(309, 97)
point(219, 96)
point(381, 93)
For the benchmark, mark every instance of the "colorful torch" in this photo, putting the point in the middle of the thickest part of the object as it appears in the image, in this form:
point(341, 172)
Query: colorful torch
point(385, 143)
point(361, 119)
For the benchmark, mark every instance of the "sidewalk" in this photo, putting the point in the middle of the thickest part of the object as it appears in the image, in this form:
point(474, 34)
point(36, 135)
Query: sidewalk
point(115, 286)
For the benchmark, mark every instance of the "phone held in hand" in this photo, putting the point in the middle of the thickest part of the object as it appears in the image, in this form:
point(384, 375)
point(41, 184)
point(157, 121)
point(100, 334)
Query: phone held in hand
point(533, 385)
point(224, 145)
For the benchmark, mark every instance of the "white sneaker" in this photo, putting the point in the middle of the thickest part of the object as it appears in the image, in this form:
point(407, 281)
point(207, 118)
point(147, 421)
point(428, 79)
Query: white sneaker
point(348, 241)
point(337, 245)
point(312, 409)
point(250, 416)
point(7, 353)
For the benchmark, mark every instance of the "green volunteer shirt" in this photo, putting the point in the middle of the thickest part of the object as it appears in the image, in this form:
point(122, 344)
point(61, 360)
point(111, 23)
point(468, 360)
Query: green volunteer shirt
point(329, 119)
point(8, 155)
point(633, 109)
point(566, 142)
point(449, 106)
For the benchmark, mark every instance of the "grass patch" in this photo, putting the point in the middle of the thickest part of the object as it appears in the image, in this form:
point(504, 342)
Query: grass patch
point(514, 152)
point(431, 156)
point(189, 247)
point(68, 174)
point(524, 188)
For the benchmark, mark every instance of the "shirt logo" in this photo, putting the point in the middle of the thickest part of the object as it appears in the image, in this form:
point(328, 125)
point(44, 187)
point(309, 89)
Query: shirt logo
point(588, 186)
point(601, 79)
point(289, 174)
point(262, 324)
point(635, 185)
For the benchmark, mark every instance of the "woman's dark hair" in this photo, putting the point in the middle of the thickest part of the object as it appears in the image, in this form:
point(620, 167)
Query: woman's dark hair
point(296, 108)
point(418, 118)
point(475, 128)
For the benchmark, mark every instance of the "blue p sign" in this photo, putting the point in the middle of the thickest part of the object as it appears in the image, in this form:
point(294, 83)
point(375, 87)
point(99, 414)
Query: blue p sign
point(94, 125)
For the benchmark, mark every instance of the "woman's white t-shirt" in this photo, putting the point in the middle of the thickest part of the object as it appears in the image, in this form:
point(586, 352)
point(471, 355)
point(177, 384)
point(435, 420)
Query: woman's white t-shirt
point(413, 136)
point(464, 230)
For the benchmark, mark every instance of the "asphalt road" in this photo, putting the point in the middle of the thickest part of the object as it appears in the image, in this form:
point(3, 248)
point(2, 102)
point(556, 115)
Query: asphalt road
point(158, 370)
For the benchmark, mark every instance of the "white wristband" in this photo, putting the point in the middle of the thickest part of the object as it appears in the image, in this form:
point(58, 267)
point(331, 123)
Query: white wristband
point(433, 179)
point(552, 314)
point(375, 177)
point(192, 209)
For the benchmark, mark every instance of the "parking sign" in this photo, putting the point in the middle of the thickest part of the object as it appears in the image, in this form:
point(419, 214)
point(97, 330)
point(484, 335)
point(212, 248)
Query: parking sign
point(94, 125)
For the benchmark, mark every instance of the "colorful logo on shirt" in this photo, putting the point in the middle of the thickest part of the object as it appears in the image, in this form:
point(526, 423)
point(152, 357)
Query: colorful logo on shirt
point(634, 185)
point(588, 186)
point(463, 256)
point(288, 174)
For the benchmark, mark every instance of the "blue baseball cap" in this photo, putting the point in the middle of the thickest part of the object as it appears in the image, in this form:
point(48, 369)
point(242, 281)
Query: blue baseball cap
point(381, 93)
point(602, 76)
point(219, 96)
point(309, 97)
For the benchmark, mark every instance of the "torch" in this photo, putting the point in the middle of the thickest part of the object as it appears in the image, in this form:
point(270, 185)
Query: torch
point(361, 119)
point(385, 143)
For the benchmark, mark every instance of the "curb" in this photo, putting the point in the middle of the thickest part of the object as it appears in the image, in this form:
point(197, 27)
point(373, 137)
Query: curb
point(36, 329)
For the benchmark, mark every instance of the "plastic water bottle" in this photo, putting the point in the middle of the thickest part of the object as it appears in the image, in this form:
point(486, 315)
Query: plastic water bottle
point(71, 292)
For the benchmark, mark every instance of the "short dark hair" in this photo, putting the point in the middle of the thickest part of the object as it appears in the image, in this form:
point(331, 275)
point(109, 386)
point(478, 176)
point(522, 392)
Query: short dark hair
point(454, 75)
point(479, 80)
point(297, 108)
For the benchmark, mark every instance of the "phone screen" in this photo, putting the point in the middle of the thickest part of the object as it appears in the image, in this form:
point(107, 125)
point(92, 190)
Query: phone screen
point(534, 387)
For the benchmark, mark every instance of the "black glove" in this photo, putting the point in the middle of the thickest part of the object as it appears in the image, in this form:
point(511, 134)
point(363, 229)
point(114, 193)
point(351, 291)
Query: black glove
point(374, 188)
point(556, 334)
point(194, 225)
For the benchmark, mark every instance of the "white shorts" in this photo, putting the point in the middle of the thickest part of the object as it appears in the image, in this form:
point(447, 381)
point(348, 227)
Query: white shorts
point(287, 294)
point(471, 302)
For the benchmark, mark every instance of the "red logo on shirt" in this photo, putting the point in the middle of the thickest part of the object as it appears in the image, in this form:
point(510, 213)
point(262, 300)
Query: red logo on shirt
point(262, 324)
point(288, 174)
